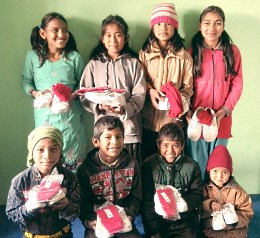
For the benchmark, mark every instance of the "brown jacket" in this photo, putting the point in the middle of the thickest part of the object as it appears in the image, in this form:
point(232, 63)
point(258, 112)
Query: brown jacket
point(175, 67)
point(232, 193)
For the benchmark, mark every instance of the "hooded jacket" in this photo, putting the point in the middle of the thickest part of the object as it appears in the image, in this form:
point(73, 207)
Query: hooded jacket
point(212, 89)
point(175, 67)
point(232, 193)
point(183, 174)
point(126, 73)
point(120, 184)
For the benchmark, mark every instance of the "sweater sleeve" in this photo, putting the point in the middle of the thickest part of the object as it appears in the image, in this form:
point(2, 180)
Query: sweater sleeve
point(236, 83)
point(27, 73)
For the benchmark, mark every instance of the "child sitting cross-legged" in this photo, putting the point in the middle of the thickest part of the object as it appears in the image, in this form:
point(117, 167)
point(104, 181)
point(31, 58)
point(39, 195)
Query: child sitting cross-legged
point(172, 188)
point(110, 183)
point(227, 207)
point(44, 198)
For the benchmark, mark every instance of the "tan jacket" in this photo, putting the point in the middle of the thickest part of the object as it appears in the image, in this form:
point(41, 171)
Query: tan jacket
point(231, 193)
point(175, 67)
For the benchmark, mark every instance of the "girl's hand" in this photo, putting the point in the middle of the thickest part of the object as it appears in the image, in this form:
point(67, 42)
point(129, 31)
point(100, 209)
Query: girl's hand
point(36, 94)
point(73, 96)
point(220, 114)
point(155, 96)
point(189, 116)
point(108, 108)
point(215, 206)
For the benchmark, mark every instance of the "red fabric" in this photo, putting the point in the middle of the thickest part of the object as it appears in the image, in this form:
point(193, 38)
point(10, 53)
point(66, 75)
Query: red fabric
point(62, 91)
point(47, 190)
point(205, 117)
point(220, 157)
point(174, 99)
point(168, 202)
point(110, 219)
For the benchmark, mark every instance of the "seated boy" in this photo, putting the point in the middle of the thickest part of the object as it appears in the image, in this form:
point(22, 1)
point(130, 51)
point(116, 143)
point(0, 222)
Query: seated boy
point(227, 207)
point(44, 198)
point(109, 173)
point(171, 168)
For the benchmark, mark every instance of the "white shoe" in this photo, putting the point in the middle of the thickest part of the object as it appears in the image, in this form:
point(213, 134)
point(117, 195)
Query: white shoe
point(58, 106)
point(218, 222)
point(43, 100)
point(229, 214)
point(181, 204)
point(194, 127)
point(106, 97)
point(210, 132)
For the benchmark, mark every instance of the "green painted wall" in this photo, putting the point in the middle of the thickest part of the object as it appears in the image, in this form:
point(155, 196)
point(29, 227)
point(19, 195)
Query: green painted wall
point(84, 16)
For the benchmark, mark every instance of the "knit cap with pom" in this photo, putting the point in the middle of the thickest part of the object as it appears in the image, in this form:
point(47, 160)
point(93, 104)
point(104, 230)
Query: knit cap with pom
point(164, 13)
point(220, 157)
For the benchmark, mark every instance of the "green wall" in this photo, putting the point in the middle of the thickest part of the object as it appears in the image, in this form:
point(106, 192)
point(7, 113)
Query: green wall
point(84, 16)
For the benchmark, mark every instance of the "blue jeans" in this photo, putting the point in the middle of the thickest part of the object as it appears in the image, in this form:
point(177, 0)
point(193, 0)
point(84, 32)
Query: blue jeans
point(200, 150)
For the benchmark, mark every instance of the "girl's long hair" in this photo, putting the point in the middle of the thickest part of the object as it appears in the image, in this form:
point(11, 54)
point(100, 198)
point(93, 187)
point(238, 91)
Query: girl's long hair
point(226, 46)
point(40, 46)
point(100, 50)
point(176, 42)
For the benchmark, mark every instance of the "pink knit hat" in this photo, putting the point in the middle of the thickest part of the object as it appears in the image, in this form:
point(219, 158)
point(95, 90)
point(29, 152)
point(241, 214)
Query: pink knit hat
point(220, 157)
point(166, 13)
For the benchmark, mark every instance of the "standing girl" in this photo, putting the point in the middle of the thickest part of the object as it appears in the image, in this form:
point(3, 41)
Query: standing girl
point(217, 80)
point(54, 59)
point(113, 63)
point(165, 60)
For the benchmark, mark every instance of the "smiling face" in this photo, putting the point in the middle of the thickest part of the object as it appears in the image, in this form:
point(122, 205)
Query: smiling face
point(113, 39)
point(110, 144)
point(211, 28)
point(163, 32)
point(56, 34)
point(170, 149)
point(219, 176)
point(46, 155)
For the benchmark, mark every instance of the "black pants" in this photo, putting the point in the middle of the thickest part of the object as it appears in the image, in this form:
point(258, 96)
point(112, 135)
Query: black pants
point(149, 143)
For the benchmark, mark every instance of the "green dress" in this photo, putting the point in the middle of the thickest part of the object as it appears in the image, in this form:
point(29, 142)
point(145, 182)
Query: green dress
point(67, 71)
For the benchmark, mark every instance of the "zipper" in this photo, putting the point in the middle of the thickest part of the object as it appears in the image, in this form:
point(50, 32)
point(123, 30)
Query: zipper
point(213, 69)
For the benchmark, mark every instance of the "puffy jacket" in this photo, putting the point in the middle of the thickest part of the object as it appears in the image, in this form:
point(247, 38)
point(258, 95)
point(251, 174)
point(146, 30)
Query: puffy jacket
point(233, 193)
point(214, 90)
point(175, 67)
point(126, 73)
point(184, 174)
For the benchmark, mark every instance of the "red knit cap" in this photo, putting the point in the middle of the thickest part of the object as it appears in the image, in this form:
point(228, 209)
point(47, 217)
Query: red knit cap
point(220, 157)
point(164, 13)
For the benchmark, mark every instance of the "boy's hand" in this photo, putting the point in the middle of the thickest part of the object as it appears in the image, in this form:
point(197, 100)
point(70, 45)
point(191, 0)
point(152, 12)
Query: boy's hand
point(215, 206)
point(91, 224)
point(60, 205)
point(156, 236)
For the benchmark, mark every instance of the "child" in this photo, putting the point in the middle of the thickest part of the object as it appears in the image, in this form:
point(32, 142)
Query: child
point(218, 82)
point(113, 63)
point(224, 199)
point(164, 60)
point(51, 217)
point(172, 168)
point(109, 173)
point(54, 60)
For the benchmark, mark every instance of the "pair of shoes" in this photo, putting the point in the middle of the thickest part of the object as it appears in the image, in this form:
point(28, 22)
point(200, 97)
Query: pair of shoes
point(218, 222)
point(58, 106)
point(43, 100)
point(229, 214)
point(106, 96)
point(196, 128)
